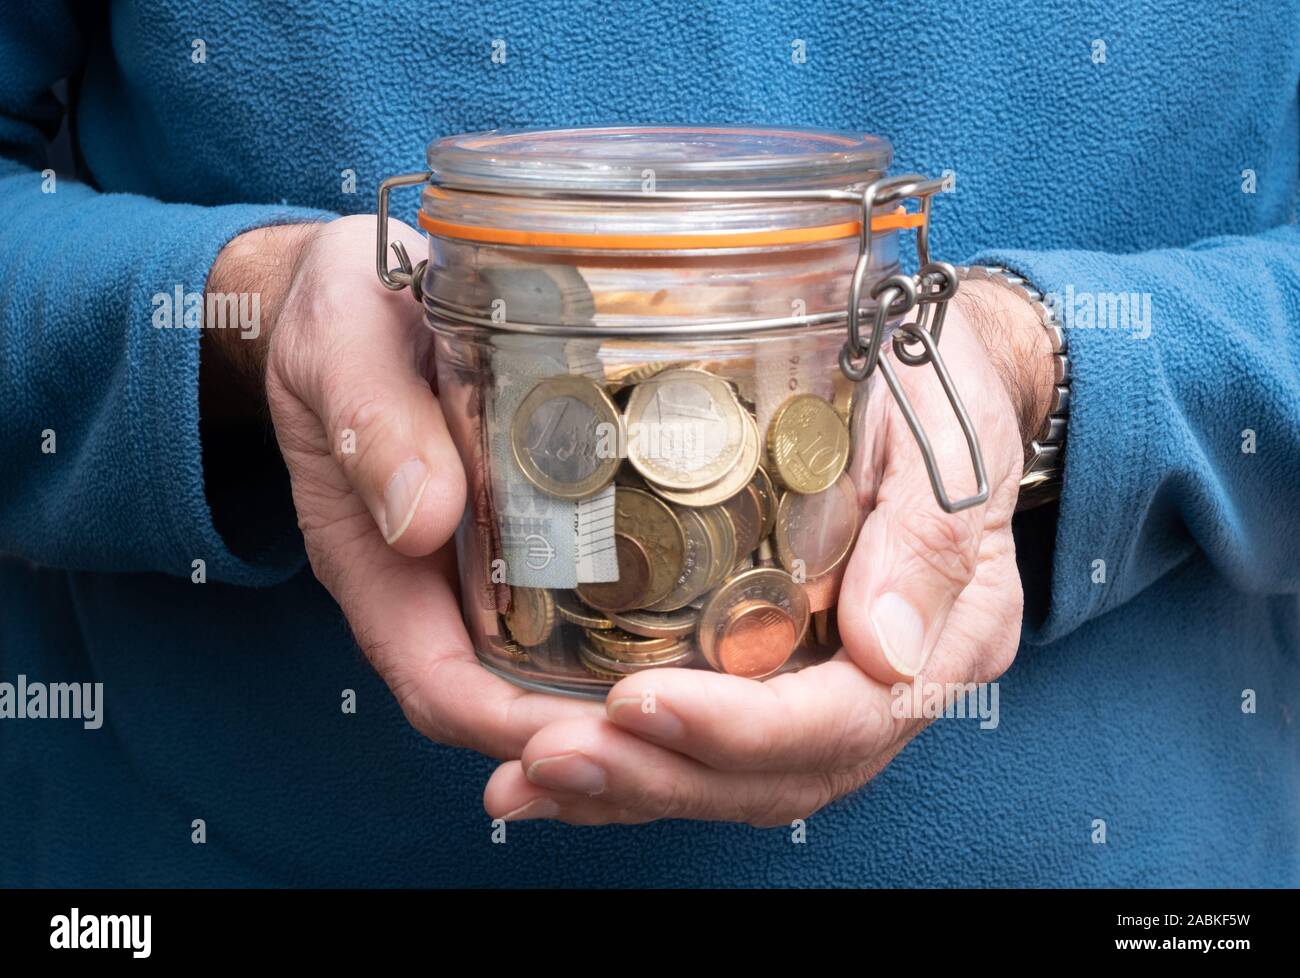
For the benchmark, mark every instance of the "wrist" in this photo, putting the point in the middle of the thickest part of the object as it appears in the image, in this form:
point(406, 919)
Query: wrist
point(1018, 347)
point(245, 291)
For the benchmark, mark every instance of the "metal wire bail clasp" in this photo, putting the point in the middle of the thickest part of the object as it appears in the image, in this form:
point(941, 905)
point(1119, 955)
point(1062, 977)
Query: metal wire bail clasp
point(928, 291)
point(405, 274)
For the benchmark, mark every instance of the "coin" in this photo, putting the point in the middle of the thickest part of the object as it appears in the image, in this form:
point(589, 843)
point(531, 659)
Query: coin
point(767, 495)
point(821, 621)
point(807, 444)
point(756, 640)
point(573, 610)
point(652, 524)
point(584, 651)
point(722, 536)
point(566, 437)
point(658, 624)
point(531, 616)
point(842, 398)
point(697, 562)
point(685, 429)
point(626, 375)
point(746, 511)
point(634, 571)
point(815, 532)
point(678, 654)
point(753, 622)
point(626, 647)
point(823, 591)
point(512, 650)
point(733, 482)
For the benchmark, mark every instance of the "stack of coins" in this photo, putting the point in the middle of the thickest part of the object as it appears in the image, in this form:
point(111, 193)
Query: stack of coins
point(728, 539)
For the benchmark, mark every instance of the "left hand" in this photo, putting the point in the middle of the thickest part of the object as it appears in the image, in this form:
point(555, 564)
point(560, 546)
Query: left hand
point(925, 594)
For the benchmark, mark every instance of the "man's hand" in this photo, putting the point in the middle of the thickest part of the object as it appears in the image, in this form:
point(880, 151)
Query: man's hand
point(925, 594)
point(377, 483)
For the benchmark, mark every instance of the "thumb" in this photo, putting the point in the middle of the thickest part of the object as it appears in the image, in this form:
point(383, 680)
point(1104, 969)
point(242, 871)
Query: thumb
point(910, 564)
point(388, 434)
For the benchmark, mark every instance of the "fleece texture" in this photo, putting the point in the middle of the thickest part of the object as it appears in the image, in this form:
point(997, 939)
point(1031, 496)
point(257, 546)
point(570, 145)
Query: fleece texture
point(1142, 149)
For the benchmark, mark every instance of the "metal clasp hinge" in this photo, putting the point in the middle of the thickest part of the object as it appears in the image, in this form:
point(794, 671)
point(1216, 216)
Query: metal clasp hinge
point(928, 291)
point(405, 274)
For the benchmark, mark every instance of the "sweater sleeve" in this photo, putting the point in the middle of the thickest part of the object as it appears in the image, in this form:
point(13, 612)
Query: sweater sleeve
point(101, 465)
point(1184, 429)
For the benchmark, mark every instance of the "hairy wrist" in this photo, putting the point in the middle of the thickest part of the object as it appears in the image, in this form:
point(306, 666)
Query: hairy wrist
point(1018, 347)
point(245, 291)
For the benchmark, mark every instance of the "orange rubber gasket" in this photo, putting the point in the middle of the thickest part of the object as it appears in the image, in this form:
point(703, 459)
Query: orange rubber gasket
point(898, 220)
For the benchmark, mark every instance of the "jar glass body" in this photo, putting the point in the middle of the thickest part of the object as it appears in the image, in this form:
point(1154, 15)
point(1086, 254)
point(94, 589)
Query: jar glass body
point(666, 466)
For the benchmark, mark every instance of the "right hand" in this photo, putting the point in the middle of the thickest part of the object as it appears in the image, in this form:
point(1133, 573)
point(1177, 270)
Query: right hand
point(377, 482)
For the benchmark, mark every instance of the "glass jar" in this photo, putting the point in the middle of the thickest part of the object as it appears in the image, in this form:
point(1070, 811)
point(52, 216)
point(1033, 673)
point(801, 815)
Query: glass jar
point(652, 358)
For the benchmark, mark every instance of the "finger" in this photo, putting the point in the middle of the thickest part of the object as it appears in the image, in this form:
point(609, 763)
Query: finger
point(406, 618)
point(826, 717)
point(388, 435)
point(593, 771)
point(912, 559)
point(384, 426)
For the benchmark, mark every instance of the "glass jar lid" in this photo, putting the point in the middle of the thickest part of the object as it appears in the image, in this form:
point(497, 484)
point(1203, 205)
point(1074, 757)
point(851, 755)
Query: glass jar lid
point(611, 189)
point(679, 158)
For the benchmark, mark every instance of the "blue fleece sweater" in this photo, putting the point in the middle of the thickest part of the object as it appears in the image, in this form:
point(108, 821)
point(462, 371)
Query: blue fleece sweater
point(1144, 148)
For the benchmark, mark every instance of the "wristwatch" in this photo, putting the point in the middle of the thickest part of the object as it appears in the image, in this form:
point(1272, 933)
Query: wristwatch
point(1045, 456)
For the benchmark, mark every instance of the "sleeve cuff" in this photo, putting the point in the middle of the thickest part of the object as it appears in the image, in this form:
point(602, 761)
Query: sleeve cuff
point(163, 400)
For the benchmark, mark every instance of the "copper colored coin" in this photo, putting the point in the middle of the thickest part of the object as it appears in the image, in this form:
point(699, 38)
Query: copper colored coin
point(633, 578)
point(815, 531)
point(822, 591)
point(721, 619)
point(756, 640)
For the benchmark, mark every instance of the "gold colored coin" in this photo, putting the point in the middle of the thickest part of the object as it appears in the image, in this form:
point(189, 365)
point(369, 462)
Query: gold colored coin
point(685, 429)
point(807, 444)
point(574, 611)
point(651, 523)
point(842, 398)
point(722, 534)
point(531, 617)
point(618, 644)
point(815, 532)
point(566, 436)
point(753, 622)
point(658, 624)
point(696, 564)
point(733, 482)
point(514, 651)
point(586, 657)
point(678, 654)
point(629, 375)
point(767, 495)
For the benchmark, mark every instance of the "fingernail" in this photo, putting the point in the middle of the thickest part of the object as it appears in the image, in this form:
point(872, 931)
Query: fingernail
point(568, 772)
point(537, 808)
point(900, 630)
point(402, 496)
point(647, 716)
